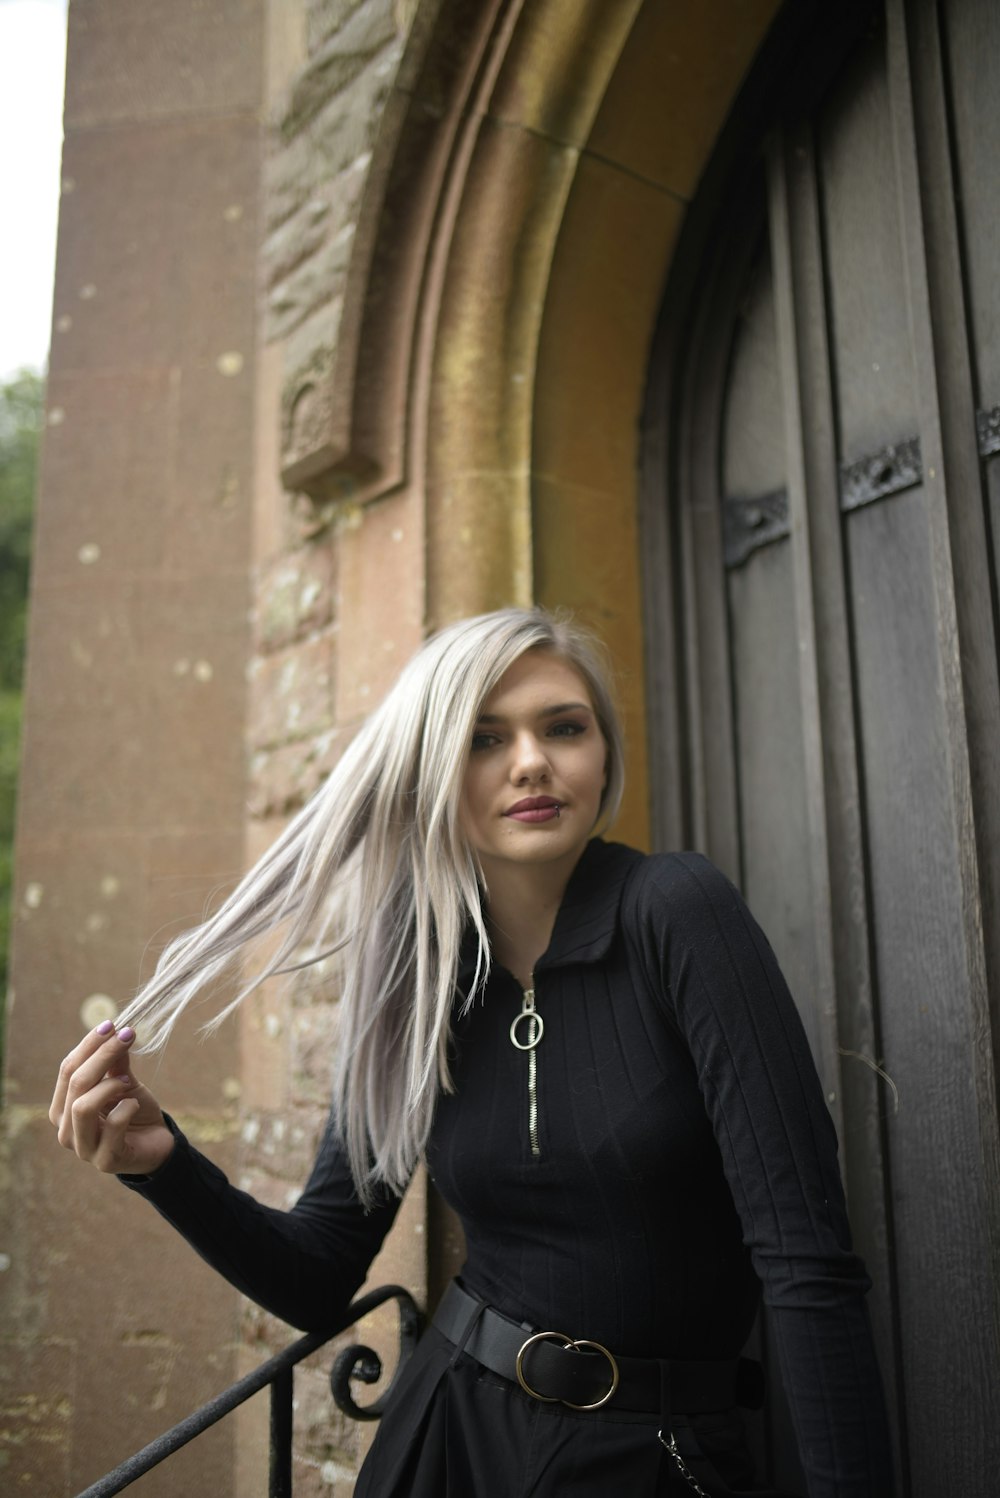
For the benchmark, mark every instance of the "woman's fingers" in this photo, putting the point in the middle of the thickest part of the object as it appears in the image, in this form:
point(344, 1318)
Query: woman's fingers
point(103, 1113)
point(113, 1152)
point(91, 1042)
point(86, 1118)
point(100, 1053)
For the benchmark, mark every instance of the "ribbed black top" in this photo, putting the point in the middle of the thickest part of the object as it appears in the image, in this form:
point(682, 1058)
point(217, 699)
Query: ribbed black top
point(683, 1156)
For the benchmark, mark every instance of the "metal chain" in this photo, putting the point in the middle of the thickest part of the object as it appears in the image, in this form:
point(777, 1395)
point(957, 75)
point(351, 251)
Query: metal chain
point(688, 1477)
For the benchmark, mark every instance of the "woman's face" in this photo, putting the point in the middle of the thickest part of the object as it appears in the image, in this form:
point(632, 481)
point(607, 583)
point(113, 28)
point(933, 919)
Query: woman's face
point(537, 767)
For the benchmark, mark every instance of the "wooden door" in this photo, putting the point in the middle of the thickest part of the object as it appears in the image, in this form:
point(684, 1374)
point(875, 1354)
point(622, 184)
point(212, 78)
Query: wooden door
point(822, 497)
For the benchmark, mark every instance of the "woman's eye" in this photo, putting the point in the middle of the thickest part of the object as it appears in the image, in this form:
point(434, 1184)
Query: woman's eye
point(484, 740)
point(567, 730)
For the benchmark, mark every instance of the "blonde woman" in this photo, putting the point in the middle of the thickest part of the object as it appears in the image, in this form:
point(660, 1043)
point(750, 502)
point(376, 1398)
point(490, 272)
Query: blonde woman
point(596, 1055)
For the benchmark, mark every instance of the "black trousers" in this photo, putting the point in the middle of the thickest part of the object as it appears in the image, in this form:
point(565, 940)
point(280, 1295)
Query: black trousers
point(455, 1430)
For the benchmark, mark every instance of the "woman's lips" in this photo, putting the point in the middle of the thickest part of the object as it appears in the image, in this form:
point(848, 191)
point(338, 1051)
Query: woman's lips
point(534, 809)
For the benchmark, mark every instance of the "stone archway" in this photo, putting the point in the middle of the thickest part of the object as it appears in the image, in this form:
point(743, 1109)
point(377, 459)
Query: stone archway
point(524, 200)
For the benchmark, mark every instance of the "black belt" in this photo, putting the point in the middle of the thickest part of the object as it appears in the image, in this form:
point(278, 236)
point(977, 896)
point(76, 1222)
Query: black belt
point(584, 1375)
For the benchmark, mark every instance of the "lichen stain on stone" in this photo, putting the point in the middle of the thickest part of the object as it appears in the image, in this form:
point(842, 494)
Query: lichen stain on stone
point(203, 671)
point(64, 323)
point(147, 1338)
point(89, 553)
point(33, 895)
point(182, 667)
point(351, 516)
point(206, 1130)
point(229, 489)
point(232, 213)
point(96, 1008)
point(81, 655)
point(110, 886)
point(310, 592)
point(232, 1089)
point(96, 921)
point(88, 292)
point(56, 416)
point(34, 1409)
point(230, 364)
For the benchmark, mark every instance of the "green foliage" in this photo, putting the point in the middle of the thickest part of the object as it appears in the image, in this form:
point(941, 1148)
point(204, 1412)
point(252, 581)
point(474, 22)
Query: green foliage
point(21, 404)
point(21, 400)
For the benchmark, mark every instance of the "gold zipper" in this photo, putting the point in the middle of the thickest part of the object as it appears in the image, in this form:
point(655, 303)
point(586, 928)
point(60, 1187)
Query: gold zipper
point(533, 1034)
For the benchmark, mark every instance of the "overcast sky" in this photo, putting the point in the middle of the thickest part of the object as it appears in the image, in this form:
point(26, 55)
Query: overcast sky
point(32, 63)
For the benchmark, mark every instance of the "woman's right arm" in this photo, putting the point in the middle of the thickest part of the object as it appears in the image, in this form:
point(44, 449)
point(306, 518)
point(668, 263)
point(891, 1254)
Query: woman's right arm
point(303, 1265)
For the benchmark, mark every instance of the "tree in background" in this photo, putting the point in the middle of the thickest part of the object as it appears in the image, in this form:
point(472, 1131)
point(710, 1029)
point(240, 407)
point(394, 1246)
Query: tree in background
point(21, 403)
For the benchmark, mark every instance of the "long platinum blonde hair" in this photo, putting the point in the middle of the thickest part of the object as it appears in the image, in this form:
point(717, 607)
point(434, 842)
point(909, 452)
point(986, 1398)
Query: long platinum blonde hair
point(382, 839)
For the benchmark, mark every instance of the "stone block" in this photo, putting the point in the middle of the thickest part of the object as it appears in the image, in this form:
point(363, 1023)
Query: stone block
point(203, 59)
point(283, 779)
point(479, 544)
point(313, 1042)
point(164, 1335)
point(324, 17)
point(325, 1453)
point(294, 596)
point(38, 1383)
point(557, 67)
point(583, 533)
point(107, 457)
point(674, 85)
point(337, 140)
point(210, 508)
point(157, 246)
point(318, 276)
point(276, 1155)
point(286, 49)
point(382, 600)
point(291, 692)
point(498, 287)
point(297, 238)
point(263, 1026)
point(270, 529)
point(602, 298)
point(365, 38)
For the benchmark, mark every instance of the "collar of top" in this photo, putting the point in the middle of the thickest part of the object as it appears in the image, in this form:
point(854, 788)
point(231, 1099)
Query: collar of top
point(588, 916)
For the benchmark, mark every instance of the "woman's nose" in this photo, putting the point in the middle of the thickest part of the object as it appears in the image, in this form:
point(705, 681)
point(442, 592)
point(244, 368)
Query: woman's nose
point(529, 762)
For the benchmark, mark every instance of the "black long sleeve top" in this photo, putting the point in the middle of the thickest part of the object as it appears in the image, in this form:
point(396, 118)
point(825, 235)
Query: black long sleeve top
point(671, 1155)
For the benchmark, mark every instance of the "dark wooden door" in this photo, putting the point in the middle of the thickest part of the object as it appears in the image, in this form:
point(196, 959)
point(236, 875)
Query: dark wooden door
point(822, 493)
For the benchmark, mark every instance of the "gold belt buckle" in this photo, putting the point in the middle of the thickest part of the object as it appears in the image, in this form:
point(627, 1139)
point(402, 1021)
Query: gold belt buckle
point(574, 1345)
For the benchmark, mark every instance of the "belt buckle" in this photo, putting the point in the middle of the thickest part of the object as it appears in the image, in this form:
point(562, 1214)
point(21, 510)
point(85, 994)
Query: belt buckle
point(572, 1344)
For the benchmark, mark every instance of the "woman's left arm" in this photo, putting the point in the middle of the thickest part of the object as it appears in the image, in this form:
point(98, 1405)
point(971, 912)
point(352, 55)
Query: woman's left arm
point(779, 1152)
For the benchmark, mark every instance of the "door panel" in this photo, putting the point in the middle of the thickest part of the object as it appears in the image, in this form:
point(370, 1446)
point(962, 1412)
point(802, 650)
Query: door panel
point(842, 412)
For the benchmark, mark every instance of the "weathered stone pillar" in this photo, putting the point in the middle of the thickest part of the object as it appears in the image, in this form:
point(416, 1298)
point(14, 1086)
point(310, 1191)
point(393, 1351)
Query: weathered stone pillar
point(133, 790)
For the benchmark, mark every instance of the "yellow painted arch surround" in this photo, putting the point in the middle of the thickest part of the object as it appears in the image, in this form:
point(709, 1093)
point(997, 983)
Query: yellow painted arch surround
point(599, 127)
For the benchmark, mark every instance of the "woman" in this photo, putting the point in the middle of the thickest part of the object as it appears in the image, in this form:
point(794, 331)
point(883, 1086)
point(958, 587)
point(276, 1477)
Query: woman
point(595, 1053)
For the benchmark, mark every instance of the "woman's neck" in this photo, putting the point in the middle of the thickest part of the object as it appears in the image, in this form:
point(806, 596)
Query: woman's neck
point(523, 903)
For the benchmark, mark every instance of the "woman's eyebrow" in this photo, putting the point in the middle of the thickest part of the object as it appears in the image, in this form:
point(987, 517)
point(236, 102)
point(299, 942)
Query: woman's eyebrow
point(546, 712)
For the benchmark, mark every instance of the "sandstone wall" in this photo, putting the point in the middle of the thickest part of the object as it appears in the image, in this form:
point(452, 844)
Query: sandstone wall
point(133, 787)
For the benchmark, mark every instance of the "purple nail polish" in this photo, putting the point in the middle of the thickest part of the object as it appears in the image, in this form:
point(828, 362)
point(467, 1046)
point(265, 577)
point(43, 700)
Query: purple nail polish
point(127, 1035)
point(105, 1027)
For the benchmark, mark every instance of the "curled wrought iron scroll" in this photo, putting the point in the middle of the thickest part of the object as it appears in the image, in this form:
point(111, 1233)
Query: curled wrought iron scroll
point(364, 1364)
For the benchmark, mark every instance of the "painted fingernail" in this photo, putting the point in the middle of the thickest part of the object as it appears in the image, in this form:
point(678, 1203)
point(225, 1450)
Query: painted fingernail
point(105, 1027)
point(127, 1035)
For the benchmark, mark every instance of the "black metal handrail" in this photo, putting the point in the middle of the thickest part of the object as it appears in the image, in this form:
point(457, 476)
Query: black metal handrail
point(355, 1361)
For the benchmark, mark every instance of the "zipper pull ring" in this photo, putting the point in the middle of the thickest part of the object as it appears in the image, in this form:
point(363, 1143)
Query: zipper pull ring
point(536, 1025)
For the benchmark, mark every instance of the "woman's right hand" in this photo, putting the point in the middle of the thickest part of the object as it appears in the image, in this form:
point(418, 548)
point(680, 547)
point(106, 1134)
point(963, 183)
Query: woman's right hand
point(103, 1113)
